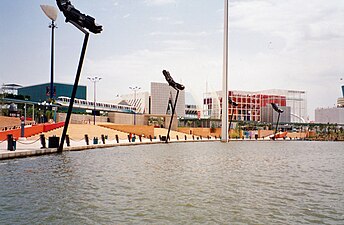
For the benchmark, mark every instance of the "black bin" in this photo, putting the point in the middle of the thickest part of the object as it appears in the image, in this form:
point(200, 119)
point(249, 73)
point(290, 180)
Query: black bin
point(163, 138)
point(11, 143)
point(54, 142)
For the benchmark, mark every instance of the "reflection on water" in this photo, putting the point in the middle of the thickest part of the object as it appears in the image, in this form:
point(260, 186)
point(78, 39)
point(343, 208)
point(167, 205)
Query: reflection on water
point(189, 183)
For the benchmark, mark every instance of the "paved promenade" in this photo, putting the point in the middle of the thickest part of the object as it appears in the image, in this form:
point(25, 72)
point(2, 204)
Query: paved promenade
point(32, 146)
point(26, 148)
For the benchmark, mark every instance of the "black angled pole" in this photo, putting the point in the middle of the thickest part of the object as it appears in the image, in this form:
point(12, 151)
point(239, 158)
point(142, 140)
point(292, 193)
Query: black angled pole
point(173, 111)
point(80, 21)
point(279, 111)
point(234, 104)
point(230, 121)
point(75, 87)
point(177, 87)
point(277, 123)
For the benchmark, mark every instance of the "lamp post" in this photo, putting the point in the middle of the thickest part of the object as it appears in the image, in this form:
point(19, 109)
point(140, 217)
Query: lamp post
point(51, 13)
point(135, 89)
point(94, 80)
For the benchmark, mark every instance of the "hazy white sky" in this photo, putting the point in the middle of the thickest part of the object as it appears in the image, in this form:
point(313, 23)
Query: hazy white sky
point(290, 44)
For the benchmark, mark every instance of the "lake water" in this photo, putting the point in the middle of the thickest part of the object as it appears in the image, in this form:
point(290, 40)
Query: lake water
point(182, 183)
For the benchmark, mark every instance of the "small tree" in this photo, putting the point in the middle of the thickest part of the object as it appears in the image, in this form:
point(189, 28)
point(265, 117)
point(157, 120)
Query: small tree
point(212, 128)
point(198, 123)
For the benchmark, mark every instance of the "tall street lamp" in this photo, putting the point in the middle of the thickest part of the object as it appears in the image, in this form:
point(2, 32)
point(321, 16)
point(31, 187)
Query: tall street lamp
point(94, 80)
point(51, 13)
point(135, 89)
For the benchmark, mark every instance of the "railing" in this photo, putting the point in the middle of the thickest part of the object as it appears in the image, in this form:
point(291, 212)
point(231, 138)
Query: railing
point(30, 131)
point(12, 127)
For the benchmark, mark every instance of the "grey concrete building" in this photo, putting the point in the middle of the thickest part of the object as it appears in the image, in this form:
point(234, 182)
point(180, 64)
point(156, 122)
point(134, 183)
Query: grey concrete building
point(162, 95)
point(269, 115)
point(329, 115)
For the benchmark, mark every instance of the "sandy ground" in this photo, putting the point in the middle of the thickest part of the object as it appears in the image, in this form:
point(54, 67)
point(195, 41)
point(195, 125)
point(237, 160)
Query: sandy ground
point(77, 133)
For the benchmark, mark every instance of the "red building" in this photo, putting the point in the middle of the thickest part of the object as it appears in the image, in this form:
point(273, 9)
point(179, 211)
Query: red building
point(249, 105)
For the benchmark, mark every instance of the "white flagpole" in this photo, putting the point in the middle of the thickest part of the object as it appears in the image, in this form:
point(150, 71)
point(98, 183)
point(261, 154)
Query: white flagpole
point(224, 132)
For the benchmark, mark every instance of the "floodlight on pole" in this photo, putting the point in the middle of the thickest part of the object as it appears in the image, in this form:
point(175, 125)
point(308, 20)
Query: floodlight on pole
point(135, 89)
point(94, 80)
point(51, 13)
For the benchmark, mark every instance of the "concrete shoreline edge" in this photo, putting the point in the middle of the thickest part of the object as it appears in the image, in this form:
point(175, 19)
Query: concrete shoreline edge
point(7, 155)
point(45, 151)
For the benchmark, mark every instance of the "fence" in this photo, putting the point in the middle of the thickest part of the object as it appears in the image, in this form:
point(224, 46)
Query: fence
point(31, 130)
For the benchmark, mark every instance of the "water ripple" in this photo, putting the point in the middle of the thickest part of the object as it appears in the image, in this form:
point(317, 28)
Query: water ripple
point(191, 183)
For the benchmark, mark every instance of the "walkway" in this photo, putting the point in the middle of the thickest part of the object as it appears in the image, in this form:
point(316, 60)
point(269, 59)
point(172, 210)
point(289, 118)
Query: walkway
point(32, 145)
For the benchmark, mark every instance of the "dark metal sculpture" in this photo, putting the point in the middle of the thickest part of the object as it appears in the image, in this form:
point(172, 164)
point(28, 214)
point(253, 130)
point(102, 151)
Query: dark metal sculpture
point(171, 82)
point(275, 107)
point(178, 87)
point(279, 111)
point(75, 16)
point(80, 21)
point(234, 104)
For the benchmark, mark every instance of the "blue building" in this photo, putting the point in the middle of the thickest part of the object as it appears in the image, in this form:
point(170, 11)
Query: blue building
point(41, 92)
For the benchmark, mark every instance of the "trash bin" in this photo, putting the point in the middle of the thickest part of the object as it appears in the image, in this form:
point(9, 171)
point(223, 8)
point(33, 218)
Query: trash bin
point(163, 138)
point(133, 139)
point(54, 142)
point(14, 144)
point(95, 140)
point(10, 143)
